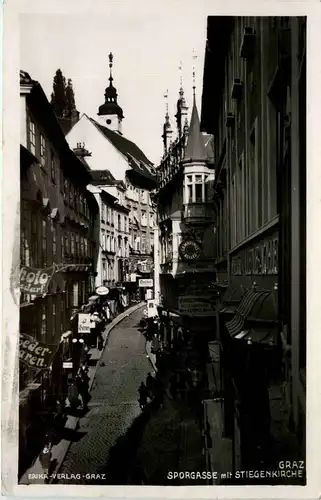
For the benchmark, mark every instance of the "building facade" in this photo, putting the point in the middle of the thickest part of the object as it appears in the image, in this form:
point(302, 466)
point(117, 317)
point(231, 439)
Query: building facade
point(184, 258)
point(113, 257)
point(59, 232)
point(124, 161)
point(254, 103)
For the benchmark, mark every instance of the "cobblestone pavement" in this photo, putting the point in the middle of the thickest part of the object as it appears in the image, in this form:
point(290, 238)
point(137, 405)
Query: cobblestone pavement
point(100, 452)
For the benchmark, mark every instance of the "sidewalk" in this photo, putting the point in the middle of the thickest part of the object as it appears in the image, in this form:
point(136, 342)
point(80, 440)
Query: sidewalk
point(35, 474)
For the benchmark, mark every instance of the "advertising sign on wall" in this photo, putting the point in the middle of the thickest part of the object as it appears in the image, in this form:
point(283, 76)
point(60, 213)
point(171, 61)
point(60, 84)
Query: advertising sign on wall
point(34, 353)
point(84, 323)
point(102, 290)
point(35, 281)
point(195, 306)
point(146, 282)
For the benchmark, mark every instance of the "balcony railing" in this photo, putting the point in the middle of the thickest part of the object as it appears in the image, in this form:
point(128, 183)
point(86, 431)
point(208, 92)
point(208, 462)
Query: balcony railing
point(198, 213)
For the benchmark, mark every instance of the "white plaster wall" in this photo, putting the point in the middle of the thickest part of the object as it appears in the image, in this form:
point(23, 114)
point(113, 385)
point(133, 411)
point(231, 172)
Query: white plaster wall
point(115, 125)
point(103, 154)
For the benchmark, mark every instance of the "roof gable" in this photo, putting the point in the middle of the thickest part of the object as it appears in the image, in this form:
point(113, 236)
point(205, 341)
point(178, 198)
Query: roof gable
point(136, 158)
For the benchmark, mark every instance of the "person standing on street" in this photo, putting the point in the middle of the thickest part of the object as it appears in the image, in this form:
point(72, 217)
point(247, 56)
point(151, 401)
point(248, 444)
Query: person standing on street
point(143, 395)
point(150, 384)
point(45, 459)
point(96, 329)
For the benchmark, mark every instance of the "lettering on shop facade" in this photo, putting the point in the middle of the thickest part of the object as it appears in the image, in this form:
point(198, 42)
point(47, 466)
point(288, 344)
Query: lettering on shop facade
point(35, 281)
point(259, 260)
point(34, 353)
point(199, 299)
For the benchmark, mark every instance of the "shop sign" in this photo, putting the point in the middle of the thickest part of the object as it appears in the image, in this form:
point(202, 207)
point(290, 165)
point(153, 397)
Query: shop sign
point(34, 353)
point(147, 282)
point(260, 260)
point(102, 290)
point(84, 323)
point(194, 305)
point(35, 281)
point(67, 364)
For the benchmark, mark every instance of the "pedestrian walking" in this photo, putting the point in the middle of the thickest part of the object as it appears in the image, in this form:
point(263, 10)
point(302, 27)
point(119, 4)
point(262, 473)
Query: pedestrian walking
point(60, 413)
point(96, 328)
point(73, 395)
point(45, 458)
point(143, 395)
point(150, 384)
point(82, 386)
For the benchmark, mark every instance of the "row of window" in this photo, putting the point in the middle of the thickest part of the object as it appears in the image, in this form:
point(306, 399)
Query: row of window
point(111, 217)
point(40, 238)
point(112, 244)
point(141, 244)
point(72, 195)
point(136, 194)
point(196, 188)
point(46, 154)
point(145, 218)
point(75, 199)
point(255, 140)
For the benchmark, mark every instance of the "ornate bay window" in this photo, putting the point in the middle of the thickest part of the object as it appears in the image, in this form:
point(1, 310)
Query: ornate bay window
point(196, 205)
point(195, 188)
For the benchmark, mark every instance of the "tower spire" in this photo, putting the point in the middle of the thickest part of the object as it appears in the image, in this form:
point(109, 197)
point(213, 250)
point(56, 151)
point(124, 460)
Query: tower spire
point(111, 57)
point(167, 129)
point(110, 112)
point(194, 86)
point(166, 104)
point(180, 67)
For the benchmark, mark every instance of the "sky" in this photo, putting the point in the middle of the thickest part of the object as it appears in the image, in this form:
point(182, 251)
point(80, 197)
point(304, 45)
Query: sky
point(148, 41)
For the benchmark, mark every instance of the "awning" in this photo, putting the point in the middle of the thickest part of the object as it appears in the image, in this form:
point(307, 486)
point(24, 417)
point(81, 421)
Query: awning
point(263, 335)
point(65, 335)
point(25, 393)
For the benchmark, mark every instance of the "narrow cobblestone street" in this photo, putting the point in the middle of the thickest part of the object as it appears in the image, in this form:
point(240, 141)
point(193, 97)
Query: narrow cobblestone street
point(112, 409)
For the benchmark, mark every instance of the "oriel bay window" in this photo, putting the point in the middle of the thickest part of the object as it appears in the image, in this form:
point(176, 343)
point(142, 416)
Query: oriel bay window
point(199, 197)
point(195, 188)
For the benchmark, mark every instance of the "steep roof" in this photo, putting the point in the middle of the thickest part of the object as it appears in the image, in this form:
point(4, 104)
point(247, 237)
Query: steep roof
point(103, 176)
point(195, 149)
point(137, 160)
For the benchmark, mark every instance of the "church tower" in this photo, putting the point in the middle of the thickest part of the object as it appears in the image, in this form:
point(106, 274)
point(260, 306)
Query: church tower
point(110, 113)
point(182, 108)
point(167, 128)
